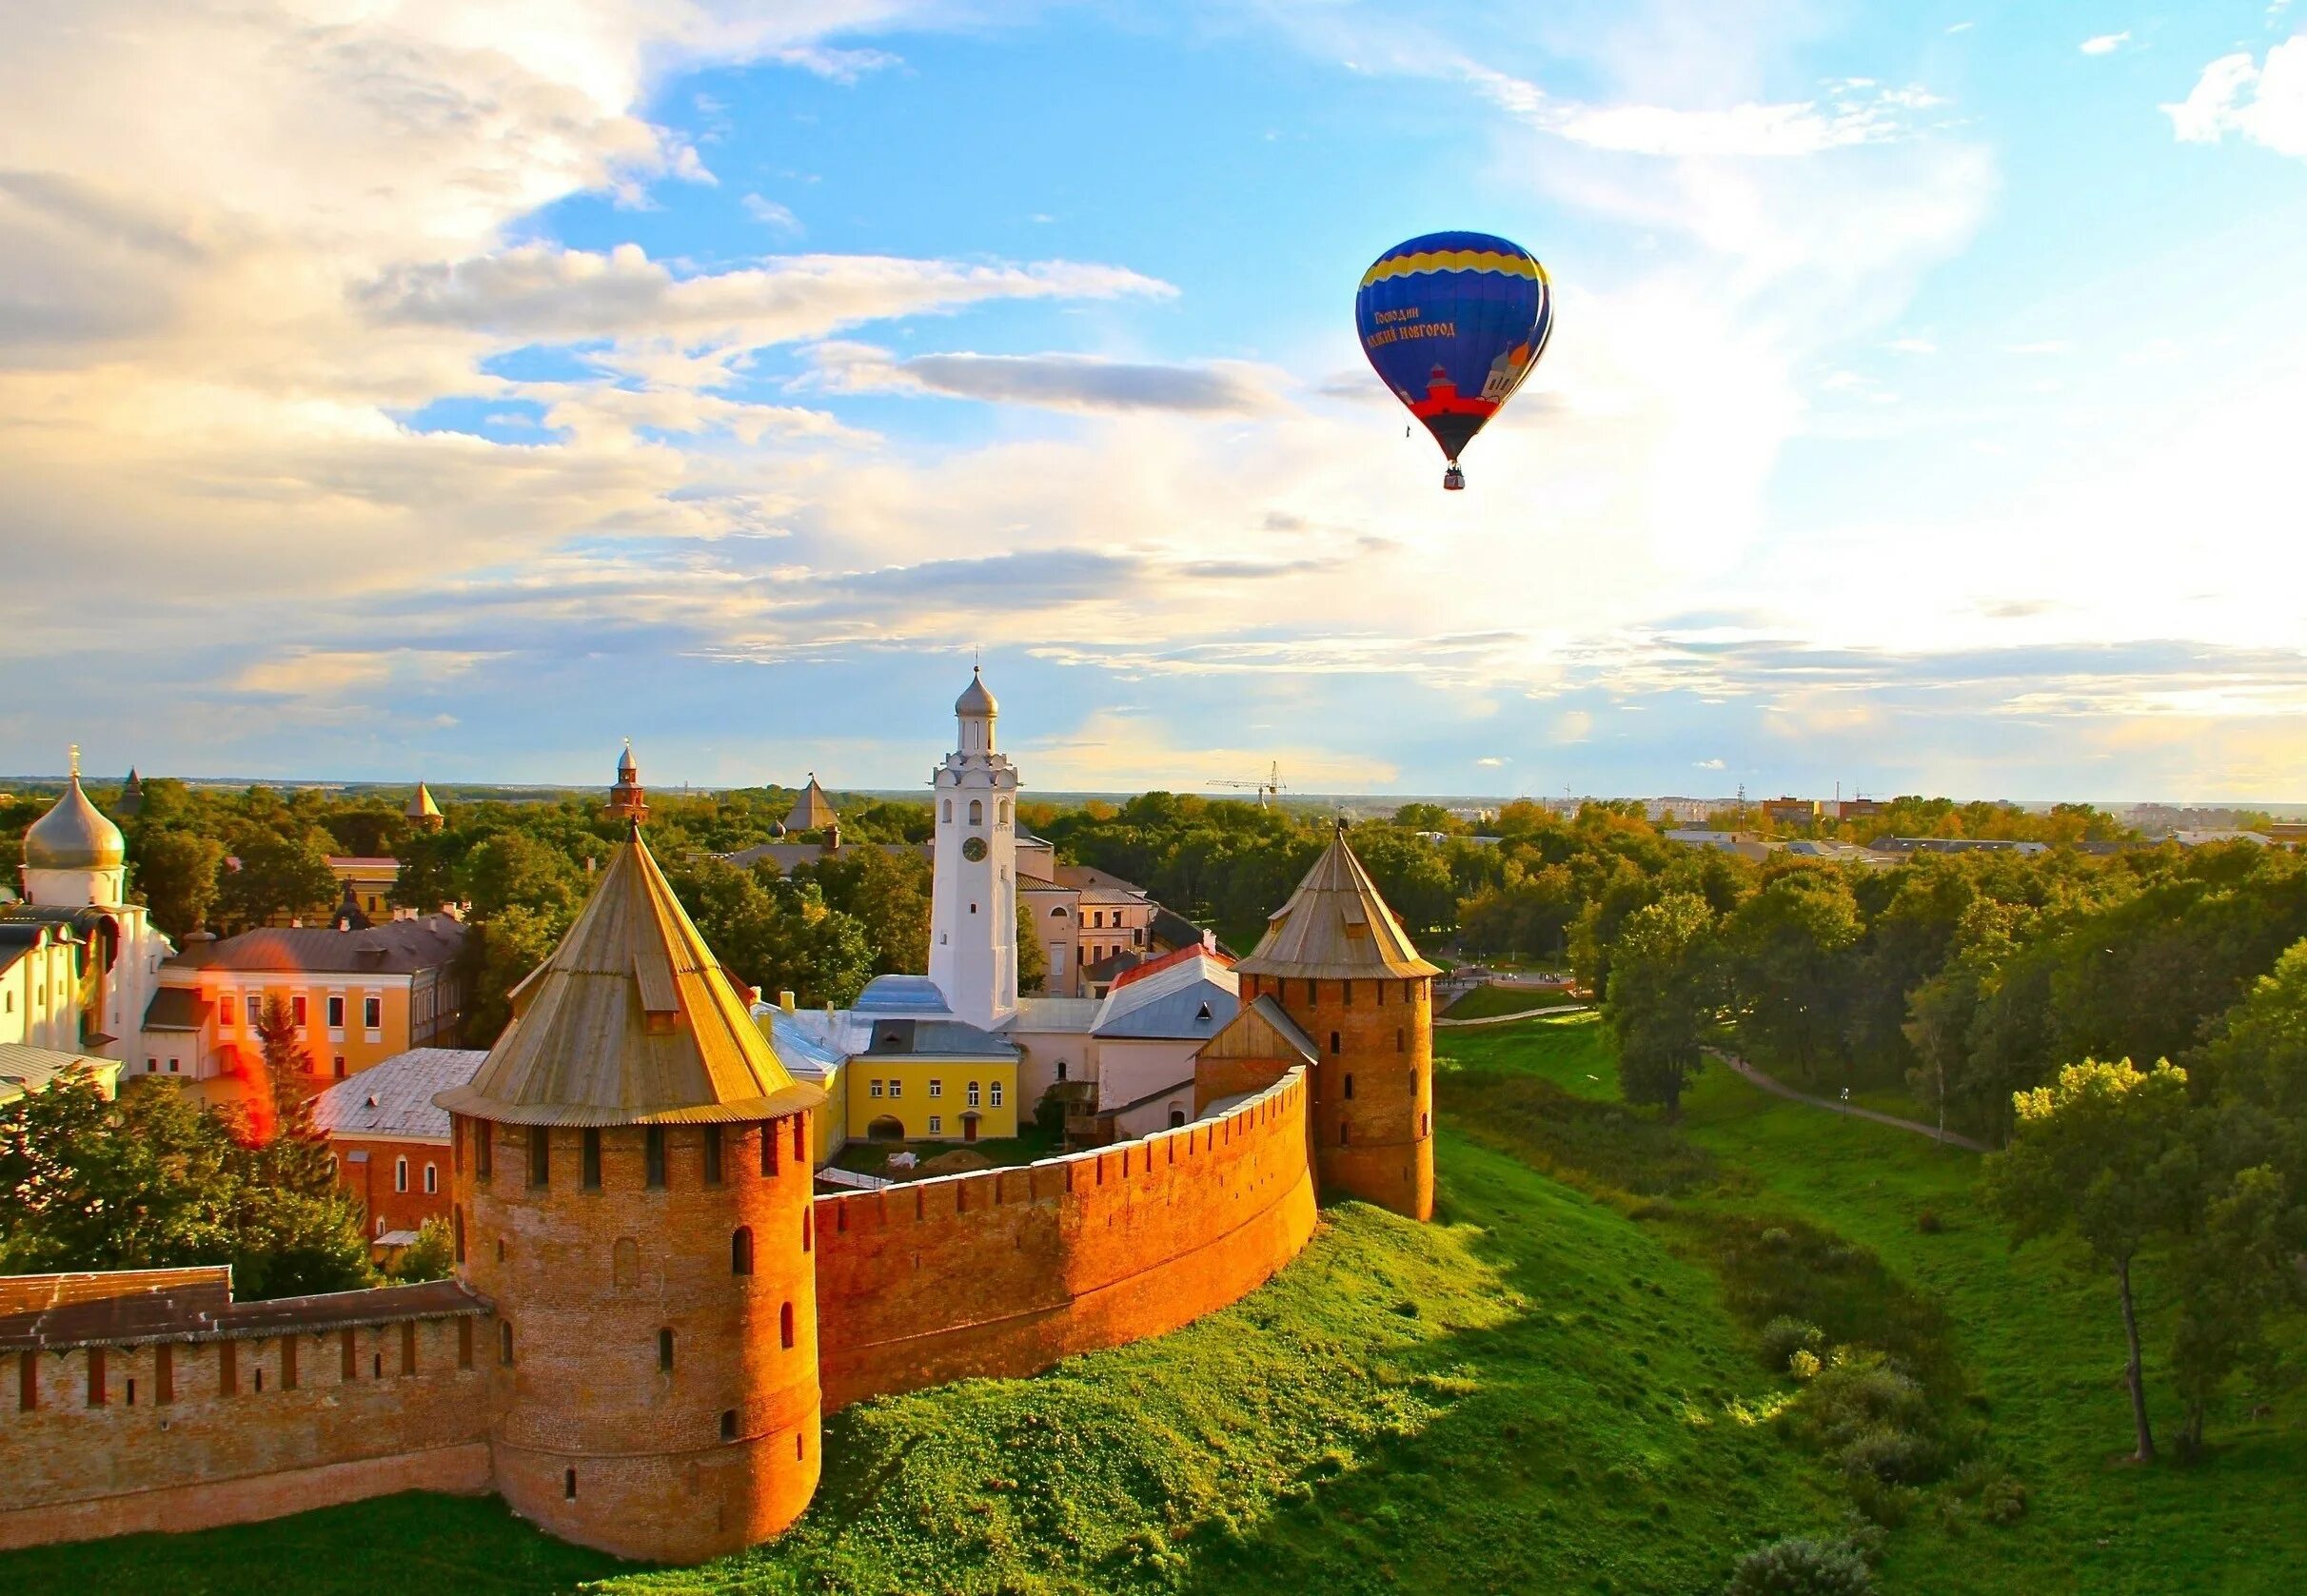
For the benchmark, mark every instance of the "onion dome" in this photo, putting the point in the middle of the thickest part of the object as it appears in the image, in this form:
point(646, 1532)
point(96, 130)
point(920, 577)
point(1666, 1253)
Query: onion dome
point(74, 834)
point(627, 764)
point(631, 1022)
point(974, 700)
point(1335, 927)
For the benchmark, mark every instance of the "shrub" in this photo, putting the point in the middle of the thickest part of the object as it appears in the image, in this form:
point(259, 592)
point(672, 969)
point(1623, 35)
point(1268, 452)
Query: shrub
point(1786, 1335)
point(1801, 1566)
point(1929, 1223)
point(1778, 1238)
point(1892, 1456)
point(2003, 1501)
point(1856, 1393)
point(1804, 1365)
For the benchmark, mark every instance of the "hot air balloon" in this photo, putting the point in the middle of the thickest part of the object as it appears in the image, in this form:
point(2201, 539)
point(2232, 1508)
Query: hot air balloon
point(1453, 323)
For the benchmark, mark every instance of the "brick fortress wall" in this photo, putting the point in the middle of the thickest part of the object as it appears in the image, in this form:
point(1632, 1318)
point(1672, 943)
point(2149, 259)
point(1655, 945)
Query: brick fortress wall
point(1005, 1272)
point(187, 1435)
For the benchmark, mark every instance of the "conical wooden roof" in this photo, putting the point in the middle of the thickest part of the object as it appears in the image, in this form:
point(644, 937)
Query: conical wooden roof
point(632, 1022)
point(813, 810)
point(1335, 928)
point(421, 805)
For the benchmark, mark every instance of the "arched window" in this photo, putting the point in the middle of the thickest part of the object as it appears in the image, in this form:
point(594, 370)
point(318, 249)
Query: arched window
point(400, 1175)
point(976, 812)
point(741, 1250)
point(1059, 912)
point(784, 1324)
point(949, 811)
point(1005, 812)
point(432, 1180)
point(1061, 1069)
point(1177, 1117)
point(505, 1342)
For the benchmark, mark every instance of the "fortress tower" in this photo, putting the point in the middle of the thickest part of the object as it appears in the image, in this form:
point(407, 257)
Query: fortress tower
point(972, 905)
point(632, 1193)
point(1342, 967)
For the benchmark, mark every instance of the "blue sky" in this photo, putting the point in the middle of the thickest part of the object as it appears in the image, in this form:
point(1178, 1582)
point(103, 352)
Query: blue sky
point(415, 388)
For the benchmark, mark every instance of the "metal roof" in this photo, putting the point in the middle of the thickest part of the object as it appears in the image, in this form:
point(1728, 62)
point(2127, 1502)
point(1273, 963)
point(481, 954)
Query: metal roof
point(74, 835)
point(176, 1008)
point(631, 1022)
point(1036, 1015)
point(813, 810)
point(903, 994)
point(23, 1068)
point(394, 1099)
point(142, 1306)
point(897, 1037)
point(1193, 999)
point(1335, 927)
point(395, 948)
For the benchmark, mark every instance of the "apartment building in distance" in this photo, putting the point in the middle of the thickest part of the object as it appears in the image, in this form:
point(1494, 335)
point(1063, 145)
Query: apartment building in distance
point(358, 995)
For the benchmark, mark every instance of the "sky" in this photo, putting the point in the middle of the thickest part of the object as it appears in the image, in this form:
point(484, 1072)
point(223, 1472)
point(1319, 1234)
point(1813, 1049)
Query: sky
point(455, 388)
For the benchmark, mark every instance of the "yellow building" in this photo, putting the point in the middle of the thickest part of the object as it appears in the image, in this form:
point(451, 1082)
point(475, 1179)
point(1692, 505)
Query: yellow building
point(898, 1067)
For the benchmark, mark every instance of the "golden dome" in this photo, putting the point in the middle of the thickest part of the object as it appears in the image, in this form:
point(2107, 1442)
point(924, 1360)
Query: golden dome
point(74, 835)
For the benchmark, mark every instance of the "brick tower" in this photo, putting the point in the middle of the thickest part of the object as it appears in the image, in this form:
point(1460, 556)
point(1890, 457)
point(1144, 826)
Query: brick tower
point(1341, 965)
point(632, 1192)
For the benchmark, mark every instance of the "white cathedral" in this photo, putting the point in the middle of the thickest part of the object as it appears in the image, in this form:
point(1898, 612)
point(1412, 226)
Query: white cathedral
point(958, 1053)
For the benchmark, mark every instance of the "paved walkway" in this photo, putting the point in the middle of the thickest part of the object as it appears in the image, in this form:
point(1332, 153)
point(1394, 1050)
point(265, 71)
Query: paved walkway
point(1772, 1084)
point(1526, 1014)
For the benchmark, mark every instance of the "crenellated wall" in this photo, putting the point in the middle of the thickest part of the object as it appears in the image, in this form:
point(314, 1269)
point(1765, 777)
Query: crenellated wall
point(1004, 1272)
point(180, 1435)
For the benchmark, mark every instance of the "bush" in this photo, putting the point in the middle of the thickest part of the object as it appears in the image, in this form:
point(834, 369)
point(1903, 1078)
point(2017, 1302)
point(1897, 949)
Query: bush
point(1855, 1395)
point(1929, 1223)
point(1804, 1365)
point(1801, 1566)
point(1786, 1335)
point(1777, 1238)
point(1892, 1456)
point(2003, 1501)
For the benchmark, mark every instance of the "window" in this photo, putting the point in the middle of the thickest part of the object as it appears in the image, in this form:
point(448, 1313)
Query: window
point(713, 1154)
point(336, 1011)
point(1343, 1133)
point(432, 1180)
point(728, 1424)
point(936, 1087)
point(741, 1250)
point(897, 1087)
point(540, 1156)
point(568, 1486)
point(96, 1394)
point(1061, 1069)
point(171, 1065)
point(1177, 1117)
point(976, 812)
point(1380, 987)
point(400, 1175)
point(1097, 919)
point(664, 1350)
point(339, 1066)
point(800, 1144)
point(483, 1151)
point(297, 1010)
point(653, 1148)
point(588, 1173)
point(996, 1094)
point(1350, 1089)
point(1334, 1043)
point(949, 811)
point(936, 1124)
point(1346, 990)
point(808, 1224)
point(872, 1089)
point(505, 1342)
point(1059, 912)
point(784, 1326)
point(373, 1012)
point(151, 1065)
point(769, 1149)
point(973, 1095)
point(1400, 1041)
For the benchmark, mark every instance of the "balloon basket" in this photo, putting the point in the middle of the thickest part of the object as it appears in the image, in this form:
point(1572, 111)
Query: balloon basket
point(1453, 481)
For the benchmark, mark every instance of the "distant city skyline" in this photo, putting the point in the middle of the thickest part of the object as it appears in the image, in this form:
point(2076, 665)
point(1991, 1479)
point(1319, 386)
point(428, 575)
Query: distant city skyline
point(451, 392)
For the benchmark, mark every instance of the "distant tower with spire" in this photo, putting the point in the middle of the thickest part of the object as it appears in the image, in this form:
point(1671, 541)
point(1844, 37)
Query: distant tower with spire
point(973, 899)
point(421, 813)
point(628, 799)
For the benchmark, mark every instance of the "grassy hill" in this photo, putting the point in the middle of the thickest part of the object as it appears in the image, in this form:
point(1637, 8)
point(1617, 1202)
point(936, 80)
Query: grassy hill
point(1556, 1387)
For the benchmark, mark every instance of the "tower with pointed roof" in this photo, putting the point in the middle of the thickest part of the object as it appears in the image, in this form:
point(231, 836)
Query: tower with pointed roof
point(631, 1185)
point(972, 913)
point(1340, 965)
point(628, 799)
point(422, 812)
point(813, 810)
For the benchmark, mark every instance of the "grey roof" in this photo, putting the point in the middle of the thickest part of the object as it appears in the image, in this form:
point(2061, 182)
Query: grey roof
point(1036, 1015)
point(1098, 886)
point(975, 699)
point(1274, 1014)
point(813, 810)
point(917, 995)
point(191, 1305)
point(176, 1008)
point(1193, 999)
point(23, 1068)
point(394, 1099)
point(899, 1038)
point(396, 948)
point(812, 1043)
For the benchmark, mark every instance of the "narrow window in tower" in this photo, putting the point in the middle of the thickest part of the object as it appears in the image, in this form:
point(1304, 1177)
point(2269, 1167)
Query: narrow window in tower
point(1061, 1069)
point(949, 811)
point(800, 1144)
point(505, 1342)
point(1381, 990)
point(664, 1350)
point(1350, 1089)
point(456, 1224)
point(1313, 992)
point(741, 1250)
point(589, 1158)
point(653, 1146)
point(1346, 991)
point(432, 1180)
point(96, 1377)
point(784, 1324)
point(568, 1486)
point(1401, 1042)
point(456, 1144)
point(713, 1154)
point(1334, 1044)
point(769, 1147)
point(728, 1424)
point(540, 1156)
point(400, 1175)
point(483, 1157)
point(976, 812)
point(805, 1230)
point(164, 1374)
point(1422, 1125)
point(1345, 1133)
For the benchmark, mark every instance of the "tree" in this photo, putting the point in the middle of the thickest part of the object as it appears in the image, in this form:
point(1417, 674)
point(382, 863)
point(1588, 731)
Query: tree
point(1033, 959)
point(887, 894)
point(2095, 1154)
point(2232, 1271)
point(176, 870)
point(498, 955)
point(512, 869)
point(1663, 996)
point(427, 878)
point(431, 1256)
point(278, 875)
point(1792, 960)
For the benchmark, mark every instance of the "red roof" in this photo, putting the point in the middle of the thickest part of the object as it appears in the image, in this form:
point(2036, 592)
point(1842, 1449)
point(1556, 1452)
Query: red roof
point(1178, 956)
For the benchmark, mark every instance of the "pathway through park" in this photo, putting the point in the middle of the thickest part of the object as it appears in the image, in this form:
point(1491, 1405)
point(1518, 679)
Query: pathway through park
point(1772, 1083)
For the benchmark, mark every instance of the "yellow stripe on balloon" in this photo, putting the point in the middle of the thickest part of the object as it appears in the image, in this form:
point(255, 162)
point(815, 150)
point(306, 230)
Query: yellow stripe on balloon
point(1455, 260)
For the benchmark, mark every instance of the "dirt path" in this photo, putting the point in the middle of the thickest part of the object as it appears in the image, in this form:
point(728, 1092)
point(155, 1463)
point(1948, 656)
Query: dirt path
point(1526, 1014)
point(1772, 1084)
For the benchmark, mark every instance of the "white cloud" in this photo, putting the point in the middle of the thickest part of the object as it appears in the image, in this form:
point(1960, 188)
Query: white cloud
point(1058, 381)
point(2266, 104)
point(772, 215)
point(1854, 111)
point(1492, 761)
point(1706, 764)
point(2105, 44)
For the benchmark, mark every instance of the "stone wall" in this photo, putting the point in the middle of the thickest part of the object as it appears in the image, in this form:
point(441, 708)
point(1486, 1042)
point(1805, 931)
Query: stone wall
point(1005, 1272)
point(189, 1434)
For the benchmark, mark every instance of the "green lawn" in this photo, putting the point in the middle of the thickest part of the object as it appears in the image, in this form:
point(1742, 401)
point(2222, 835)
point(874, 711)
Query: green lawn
point(1555, 1387)
point(1488, 1002)
point(871, 1157)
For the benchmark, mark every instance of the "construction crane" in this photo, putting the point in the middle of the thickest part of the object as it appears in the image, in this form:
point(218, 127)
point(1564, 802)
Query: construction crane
point(1270, 788)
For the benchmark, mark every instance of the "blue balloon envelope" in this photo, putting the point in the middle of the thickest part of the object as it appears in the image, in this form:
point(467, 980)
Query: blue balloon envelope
point(1453, 323)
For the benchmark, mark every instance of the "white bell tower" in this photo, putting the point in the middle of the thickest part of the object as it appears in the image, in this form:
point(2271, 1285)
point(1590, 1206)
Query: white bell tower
point(972, 906)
